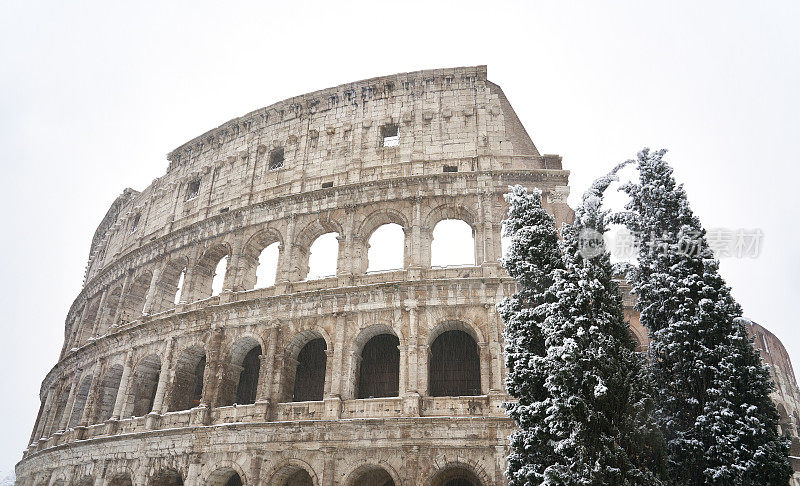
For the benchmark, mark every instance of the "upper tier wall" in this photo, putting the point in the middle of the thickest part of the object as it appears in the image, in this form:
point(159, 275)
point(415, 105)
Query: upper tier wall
point(328, 138)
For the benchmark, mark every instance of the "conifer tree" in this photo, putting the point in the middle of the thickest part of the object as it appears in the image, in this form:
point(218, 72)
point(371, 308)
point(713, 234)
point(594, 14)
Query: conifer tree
point(584, 407)
point(599, 407)
point(532, 258)
point(712, 394)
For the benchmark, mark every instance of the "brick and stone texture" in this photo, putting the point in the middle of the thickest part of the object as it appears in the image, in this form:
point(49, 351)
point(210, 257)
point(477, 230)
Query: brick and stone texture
point(330, 381)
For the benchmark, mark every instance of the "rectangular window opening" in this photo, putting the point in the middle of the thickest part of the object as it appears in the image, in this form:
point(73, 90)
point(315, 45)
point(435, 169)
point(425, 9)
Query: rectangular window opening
point(193, 189)
point(326, 185)
point(450, 168)
point(276, 158)
point(390, 135)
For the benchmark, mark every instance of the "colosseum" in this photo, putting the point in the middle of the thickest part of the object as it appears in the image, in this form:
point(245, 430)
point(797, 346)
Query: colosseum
point(184, 362)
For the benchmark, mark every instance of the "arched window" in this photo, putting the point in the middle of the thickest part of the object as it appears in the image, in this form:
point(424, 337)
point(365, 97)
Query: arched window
point(109, 309)
point(80, 401)
point(248, 378)
point(267, 266)
point(309, 380)
point(137, 296)
point(505, 241)
point(379, 372)
point(219, 276)
point(176, 299)
point(188, 385)
point(386, 248)
point(145, 383)
point(323, 256)
point(373, 476)
point(224, 477)
point(456, 476)
point(121, 480)
point(453, 244)
point(168, 477)
point(291, 475)
point(58, 413)
point(454, 365)
point(109, 388)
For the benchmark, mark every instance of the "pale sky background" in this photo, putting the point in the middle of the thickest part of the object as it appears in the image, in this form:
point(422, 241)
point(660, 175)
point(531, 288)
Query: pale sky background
point(94, 94)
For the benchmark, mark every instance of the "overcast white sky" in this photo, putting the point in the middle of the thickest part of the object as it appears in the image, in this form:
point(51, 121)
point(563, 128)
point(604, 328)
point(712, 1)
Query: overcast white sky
point(94, 94)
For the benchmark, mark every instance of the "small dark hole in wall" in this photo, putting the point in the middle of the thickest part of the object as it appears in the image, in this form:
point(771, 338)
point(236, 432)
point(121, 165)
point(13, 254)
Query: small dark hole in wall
point(326, 185)
point(276, 158)
point(450, 168)
point(390, 135)
point(224, 210)
point(193, 189)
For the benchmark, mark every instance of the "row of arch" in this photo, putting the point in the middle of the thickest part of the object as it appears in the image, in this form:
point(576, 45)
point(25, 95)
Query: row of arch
point(387, 241)
point(178, 379)
point(294, 472)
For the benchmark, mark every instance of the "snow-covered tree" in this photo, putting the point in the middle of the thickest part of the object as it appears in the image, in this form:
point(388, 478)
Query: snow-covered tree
point(532, 258)
point(712, 389)
point(584, 404)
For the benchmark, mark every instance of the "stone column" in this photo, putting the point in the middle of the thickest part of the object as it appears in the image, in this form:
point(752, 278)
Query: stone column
point(266, 370)
point(122, 393)
point(164, 376)
point(70, 404)
point(100, 315)
point(122, 297)
point(485, 358)
point(286, 262)
point(233, 280)
point(45, 415)
point(94, 389)
point(151, 291)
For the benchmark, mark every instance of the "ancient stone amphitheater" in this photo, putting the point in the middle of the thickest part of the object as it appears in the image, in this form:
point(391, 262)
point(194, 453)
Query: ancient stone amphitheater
point(184, 364)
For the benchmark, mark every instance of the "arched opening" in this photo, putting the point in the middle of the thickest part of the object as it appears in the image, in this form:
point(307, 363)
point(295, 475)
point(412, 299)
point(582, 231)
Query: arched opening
point(247, 388)
point(453, 244)
point(309, 378)
point(109, 309)
point(145, 384)
point(323, 256)
point(137, 295)
point(259, 260)
point(89, 321)
point(187, 389)
point(169, 477)
point(456, 476)
point(505, 241)
point(208, 276)
point(224, 477)
point(58, 413)
point(109, 388)
point(373, 476)
point(219, 276)
point(454, 368)
point(121, 480)
point(80, 401)
point(291, 475)
point(267, 269)
point(169, 286)
point(386, 248)
point(379, 371)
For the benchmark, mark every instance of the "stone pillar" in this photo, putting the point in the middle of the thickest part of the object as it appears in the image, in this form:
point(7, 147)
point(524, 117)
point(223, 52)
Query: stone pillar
point(335, 360)
point(70, 404)
point(233, 279)
point(91, 397)
point(286, 263)
point(151, 291)
point(485, 358)
point(122, 393)
point(45, 415)
point(266, 371)
point(164, 377)
point(122, 297)
point(100, 315)
point(402, 386)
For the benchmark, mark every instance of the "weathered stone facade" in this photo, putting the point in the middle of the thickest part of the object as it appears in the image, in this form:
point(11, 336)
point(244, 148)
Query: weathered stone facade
point(161, 382)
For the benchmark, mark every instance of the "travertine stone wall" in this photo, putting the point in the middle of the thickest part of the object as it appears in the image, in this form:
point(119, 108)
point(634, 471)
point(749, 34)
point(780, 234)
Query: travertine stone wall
point(112, 406)
point(145, 387)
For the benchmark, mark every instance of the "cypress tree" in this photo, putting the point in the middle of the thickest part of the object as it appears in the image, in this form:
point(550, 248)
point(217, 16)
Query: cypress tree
point(713, 403)
point(532, 258)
